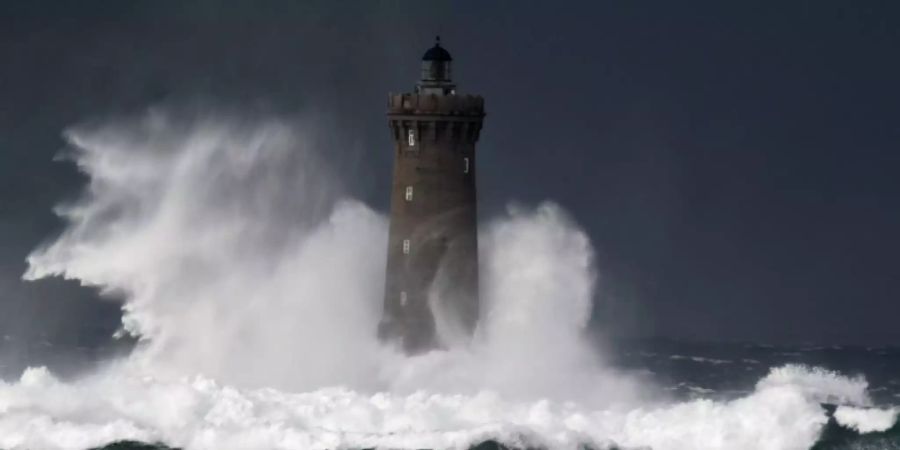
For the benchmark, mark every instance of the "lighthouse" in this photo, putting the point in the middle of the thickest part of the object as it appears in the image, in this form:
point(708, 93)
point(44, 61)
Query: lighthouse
point(431, 284)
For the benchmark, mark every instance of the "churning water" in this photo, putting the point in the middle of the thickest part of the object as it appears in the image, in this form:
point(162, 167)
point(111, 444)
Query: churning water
point(254, 284)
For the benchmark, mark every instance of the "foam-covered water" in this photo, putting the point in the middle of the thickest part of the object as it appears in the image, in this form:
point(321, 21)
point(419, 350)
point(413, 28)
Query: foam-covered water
point(197, 412)
point(254, 283)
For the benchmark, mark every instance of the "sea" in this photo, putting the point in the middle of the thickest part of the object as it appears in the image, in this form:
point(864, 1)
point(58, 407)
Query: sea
point(688, 370)
point(726, 371)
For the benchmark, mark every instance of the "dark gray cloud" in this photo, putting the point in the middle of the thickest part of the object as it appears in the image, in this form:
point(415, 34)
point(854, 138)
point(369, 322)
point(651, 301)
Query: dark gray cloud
point(736, 166)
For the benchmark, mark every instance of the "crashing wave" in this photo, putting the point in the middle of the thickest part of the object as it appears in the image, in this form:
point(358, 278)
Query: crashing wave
point(254, 283)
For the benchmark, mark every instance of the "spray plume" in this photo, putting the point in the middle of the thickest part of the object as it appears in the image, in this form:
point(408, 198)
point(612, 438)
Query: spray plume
point(254, 283)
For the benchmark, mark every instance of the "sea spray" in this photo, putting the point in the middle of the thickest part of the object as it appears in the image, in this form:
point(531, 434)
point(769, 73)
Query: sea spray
point(232, 246)
point(255, 284)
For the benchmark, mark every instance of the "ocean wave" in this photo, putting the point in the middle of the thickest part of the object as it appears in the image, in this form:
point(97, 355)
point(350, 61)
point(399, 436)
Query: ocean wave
point(784, 412)
point(254, 283)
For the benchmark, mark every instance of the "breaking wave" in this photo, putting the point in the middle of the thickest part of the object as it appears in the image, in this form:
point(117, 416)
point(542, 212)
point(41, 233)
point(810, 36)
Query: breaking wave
point(254, 283)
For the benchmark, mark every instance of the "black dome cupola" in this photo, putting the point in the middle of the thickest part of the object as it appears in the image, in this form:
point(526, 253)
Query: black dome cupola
point(437, 53)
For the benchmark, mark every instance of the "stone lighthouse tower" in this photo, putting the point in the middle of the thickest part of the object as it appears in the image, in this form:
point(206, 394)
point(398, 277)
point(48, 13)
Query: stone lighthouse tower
point(431, 289)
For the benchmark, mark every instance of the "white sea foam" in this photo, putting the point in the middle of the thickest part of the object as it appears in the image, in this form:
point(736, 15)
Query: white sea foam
point(255, 285)
point(701, 359)
point(196, 412)
point(866, 420)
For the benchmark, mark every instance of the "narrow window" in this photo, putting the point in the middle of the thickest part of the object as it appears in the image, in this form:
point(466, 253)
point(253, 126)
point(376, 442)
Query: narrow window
point(402, 298)
point(409, 193)
point(465, 165)
point(412, 138)
point(406, 246)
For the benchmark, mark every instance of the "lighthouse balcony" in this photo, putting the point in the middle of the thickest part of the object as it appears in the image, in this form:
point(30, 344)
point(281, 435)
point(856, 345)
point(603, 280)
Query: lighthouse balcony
point(439, 105)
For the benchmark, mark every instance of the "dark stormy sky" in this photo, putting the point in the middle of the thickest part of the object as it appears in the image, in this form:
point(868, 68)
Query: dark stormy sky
point(737, 164)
